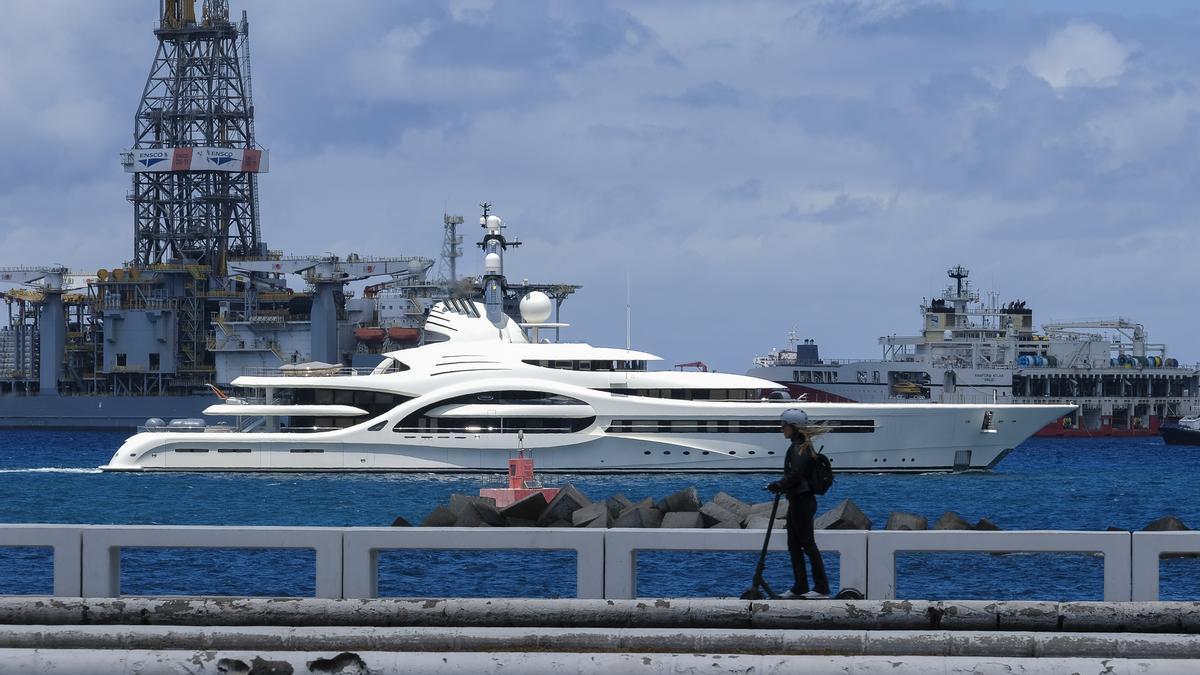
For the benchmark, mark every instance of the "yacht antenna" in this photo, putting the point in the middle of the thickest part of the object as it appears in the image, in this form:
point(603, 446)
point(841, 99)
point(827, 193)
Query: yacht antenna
point(628, 314)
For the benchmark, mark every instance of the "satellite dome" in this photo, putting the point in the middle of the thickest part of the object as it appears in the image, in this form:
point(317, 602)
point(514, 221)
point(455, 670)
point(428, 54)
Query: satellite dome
point(494, 223)
point(416, 267)
point(536, 307)
point(491, 263)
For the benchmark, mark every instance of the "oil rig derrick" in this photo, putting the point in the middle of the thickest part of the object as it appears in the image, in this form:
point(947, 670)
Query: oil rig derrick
point(194, 159)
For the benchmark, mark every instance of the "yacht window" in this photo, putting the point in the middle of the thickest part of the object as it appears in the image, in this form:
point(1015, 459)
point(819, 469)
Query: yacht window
point(239, 450)
point(306, 451)
point(389, 365)
point(850, 426)
point(191, 450)
point(770, 426)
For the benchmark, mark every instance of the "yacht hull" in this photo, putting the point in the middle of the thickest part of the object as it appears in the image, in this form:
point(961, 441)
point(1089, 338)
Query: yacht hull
point(898, 438)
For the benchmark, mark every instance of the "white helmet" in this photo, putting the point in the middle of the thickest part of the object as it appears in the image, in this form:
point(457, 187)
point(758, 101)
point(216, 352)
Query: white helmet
point(794, 416)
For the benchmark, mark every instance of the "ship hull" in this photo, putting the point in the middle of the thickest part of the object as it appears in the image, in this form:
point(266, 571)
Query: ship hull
point(95, 412)
point(1095, 425)
point(901, 438)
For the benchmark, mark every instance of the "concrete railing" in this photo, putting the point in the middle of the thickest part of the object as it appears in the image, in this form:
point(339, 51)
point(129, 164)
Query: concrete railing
point(361, 547)
point(87, 558)
point(621, 547)
point(1115, 546)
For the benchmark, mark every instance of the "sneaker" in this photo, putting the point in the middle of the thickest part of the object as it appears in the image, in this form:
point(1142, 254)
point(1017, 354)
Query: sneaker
point(789, 595)
point(813, 595)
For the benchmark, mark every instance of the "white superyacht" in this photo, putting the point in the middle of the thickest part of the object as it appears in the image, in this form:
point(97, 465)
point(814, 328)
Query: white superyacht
point(460, 405)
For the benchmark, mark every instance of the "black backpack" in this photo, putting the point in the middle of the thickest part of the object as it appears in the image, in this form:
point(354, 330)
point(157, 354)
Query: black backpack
point(822, 473)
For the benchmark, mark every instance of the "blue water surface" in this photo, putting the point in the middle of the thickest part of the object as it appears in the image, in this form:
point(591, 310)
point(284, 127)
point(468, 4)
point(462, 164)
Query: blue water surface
point(1076, 484)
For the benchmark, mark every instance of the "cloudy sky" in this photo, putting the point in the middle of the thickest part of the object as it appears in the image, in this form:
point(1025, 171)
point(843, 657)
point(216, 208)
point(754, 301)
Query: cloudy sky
point(748, 166)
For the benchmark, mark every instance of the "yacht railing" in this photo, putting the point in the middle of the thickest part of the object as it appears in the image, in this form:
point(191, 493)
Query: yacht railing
point(316, 372)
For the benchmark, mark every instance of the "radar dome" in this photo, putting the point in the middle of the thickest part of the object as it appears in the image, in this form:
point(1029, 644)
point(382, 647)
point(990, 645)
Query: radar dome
point(491, 263)
point(416, 268)
point(494, 222)
point(536, 307)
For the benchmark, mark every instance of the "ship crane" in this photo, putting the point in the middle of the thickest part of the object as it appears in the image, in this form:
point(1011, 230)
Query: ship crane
point(328, 274)
point(50, 282)
point(1130, 329)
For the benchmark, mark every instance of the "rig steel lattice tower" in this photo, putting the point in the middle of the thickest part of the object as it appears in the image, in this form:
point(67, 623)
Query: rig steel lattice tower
point(190, 209)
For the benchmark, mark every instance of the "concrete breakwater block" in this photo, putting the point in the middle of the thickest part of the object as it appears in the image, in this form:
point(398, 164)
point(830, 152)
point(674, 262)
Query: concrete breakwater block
point(732, 504)
point(845, 516)
point(593, 515)
point(475, 511)
point(985, 525)
point(400, 521)
point(713, 513)
point(951, 521)
point(527, 509)
point(618, 503)
point(647, 503)
point(690, 519)
point(899, 520)
point(640, 516)
point(687, 499)
point(1166, 524)
point(567, 501)
point(760, 523)
point(763, 510)
point(441, 516)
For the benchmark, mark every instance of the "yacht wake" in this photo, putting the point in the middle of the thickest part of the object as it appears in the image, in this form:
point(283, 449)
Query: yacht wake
point(53, 469)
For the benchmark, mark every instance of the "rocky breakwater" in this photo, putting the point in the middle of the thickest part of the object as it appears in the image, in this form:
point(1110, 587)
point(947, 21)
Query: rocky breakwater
point(682, 509)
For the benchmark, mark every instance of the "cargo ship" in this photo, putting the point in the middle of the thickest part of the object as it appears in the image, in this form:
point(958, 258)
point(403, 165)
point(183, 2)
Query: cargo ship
point(976, 351)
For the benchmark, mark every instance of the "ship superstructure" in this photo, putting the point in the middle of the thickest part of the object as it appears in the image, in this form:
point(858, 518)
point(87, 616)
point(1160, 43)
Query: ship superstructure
point(972, 350)
point(203, 299)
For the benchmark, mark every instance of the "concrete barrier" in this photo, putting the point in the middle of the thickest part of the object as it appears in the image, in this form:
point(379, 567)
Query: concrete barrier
point(1115, 546)
point(101, 555)
point(361, 547)
point(937, 643)
point(206, 662)
point(621, 547)
point(959, 615)
point(67, 544)
point(87, 557)
point(1148, 549)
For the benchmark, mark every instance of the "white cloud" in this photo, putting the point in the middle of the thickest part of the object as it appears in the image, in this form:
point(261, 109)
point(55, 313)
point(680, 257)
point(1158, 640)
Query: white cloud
point(900, 136)
point(1080, 55)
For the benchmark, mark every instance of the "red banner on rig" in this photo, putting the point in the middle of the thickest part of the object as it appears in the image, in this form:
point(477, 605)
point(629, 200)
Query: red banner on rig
point(161, 160)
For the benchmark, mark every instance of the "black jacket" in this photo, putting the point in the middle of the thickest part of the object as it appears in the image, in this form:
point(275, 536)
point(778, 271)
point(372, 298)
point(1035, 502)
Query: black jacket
point(797, 470)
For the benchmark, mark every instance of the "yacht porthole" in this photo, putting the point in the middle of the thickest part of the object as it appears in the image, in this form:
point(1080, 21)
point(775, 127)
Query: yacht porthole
point(733, 452)
point(705, 452)
point(687, 452)
point(752, 452)
point(645, 452)
point(666, 452)
point(770, 452)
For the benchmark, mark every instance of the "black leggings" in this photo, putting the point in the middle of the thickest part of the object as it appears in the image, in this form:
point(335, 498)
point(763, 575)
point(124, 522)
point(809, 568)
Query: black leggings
point(801, 540)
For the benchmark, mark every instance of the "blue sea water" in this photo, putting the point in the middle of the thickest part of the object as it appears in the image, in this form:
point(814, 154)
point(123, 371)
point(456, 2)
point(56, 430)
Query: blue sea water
point(1077, 484)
